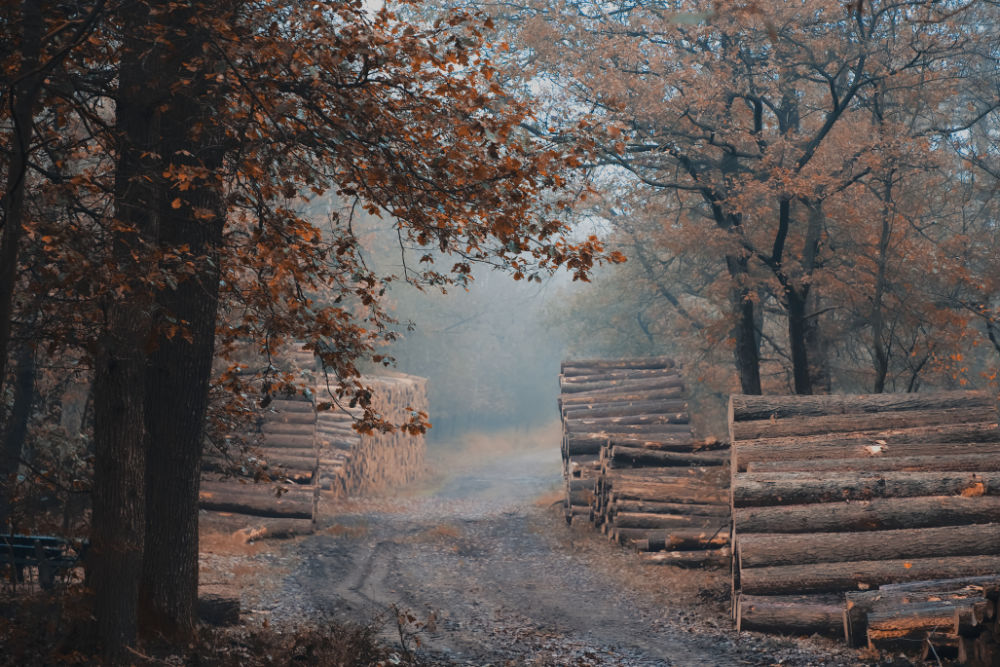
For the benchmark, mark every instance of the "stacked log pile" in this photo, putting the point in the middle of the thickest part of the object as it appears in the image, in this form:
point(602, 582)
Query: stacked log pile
point(301, 452)
point(632, 467)
point(287, 453)
point(354, 464)
point(838, 497)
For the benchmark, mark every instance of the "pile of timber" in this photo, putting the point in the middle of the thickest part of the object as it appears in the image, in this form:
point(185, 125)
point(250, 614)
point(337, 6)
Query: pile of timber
point(286, 453)
point(838, 497)
point(298, 451)
point(355, 464)
point(945, 618)
point(632, 467)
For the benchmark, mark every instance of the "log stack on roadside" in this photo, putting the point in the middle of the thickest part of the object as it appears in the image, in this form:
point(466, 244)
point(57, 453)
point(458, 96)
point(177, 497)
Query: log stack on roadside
point(299, 452)
point(286, 451)
point(354, 464)
point(633, 468)
point(835, 498)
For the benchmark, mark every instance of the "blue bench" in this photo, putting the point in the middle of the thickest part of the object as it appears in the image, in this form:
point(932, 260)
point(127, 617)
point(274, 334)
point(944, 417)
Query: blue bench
point(49, 555)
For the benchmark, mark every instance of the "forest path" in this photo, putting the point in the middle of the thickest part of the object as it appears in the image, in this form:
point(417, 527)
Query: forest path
point(484, 561)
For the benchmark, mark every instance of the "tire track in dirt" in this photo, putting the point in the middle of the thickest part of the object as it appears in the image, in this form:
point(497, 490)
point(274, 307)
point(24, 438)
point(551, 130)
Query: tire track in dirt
point(494, 578)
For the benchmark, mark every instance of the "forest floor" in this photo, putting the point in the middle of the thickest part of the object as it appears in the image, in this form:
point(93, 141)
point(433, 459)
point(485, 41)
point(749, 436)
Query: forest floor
point(480, 567)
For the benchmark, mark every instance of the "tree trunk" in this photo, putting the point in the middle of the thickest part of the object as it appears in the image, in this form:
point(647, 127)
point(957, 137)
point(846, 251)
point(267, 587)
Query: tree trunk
point(118, 523)
point(798, 329)
point(17, 428)
point(746, 351)
point(23, 97)
point(180, 366)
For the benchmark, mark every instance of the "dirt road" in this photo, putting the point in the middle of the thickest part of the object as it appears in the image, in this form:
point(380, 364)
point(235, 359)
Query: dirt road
point(483, 561)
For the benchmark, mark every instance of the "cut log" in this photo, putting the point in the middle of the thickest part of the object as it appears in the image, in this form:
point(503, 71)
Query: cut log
point(835, 577)
point(696, 558)
point(906, 628)
point(682, 539)
point(799, 488)
point(977, 438)
point(885, 421)
point(942, 462)
point(642, 457)
point(284, 440)
point(606, 396)
point(654, 507)
point(751, 408)
point(231, 498)
point(625, 409)
point(858, 604)
point(589, 423)
point(575, 366)
point(676, 492)
point(637, 520)
point(881, 514)
point(643, 384)
point(615, 374)
point(990, 584)
point(790, 614)
point(758, 550)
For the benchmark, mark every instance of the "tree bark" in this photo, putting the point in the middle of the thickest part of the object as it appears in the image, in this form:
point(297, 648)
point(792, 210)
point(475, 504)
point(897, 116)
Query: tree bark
point(758, 550)
point(177, 379)
point(882, 514)
point(17, 428)
point(24, 95)
point(746, 352)
point(118, 523)
point(790, 614)
point(768, 489)
point(835, 577)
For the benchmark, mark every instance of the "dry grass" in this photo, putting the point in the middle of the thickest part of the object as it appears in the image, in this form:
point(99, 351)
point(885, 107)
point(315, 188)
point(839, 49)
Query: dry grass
point(443, 532)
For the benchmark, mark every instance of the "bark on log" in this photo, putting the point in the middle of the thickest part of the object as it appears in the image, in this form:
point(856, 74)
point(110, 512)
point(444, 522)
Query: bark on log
point(795, 426)
point(575, 366)
point(256, 503)
point(588, 422)
point(616, 374)
point(835, 577)
point(653, 507)
point(759, 550)
point(979, 438)
point(906, 628)
point(800, 488)
point(641, 457)
point(624, 409)
point(697, 558)
point(610, 396)
point(618, 385)
point(751, 408)
point(790, 614)
point(941, 462)
point(858, 604)
point(669, 492)
point(881, 514)
point(655, 521)
point(681, 539)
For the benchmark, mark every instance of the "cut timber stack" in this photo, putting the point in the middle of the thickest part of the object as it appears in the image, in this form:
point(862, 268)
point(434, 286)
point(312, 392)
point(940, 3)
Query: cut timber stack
point(632, 466)
point(287, 453)
point(302, 452)
point(832, 494)
point(353, 464)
